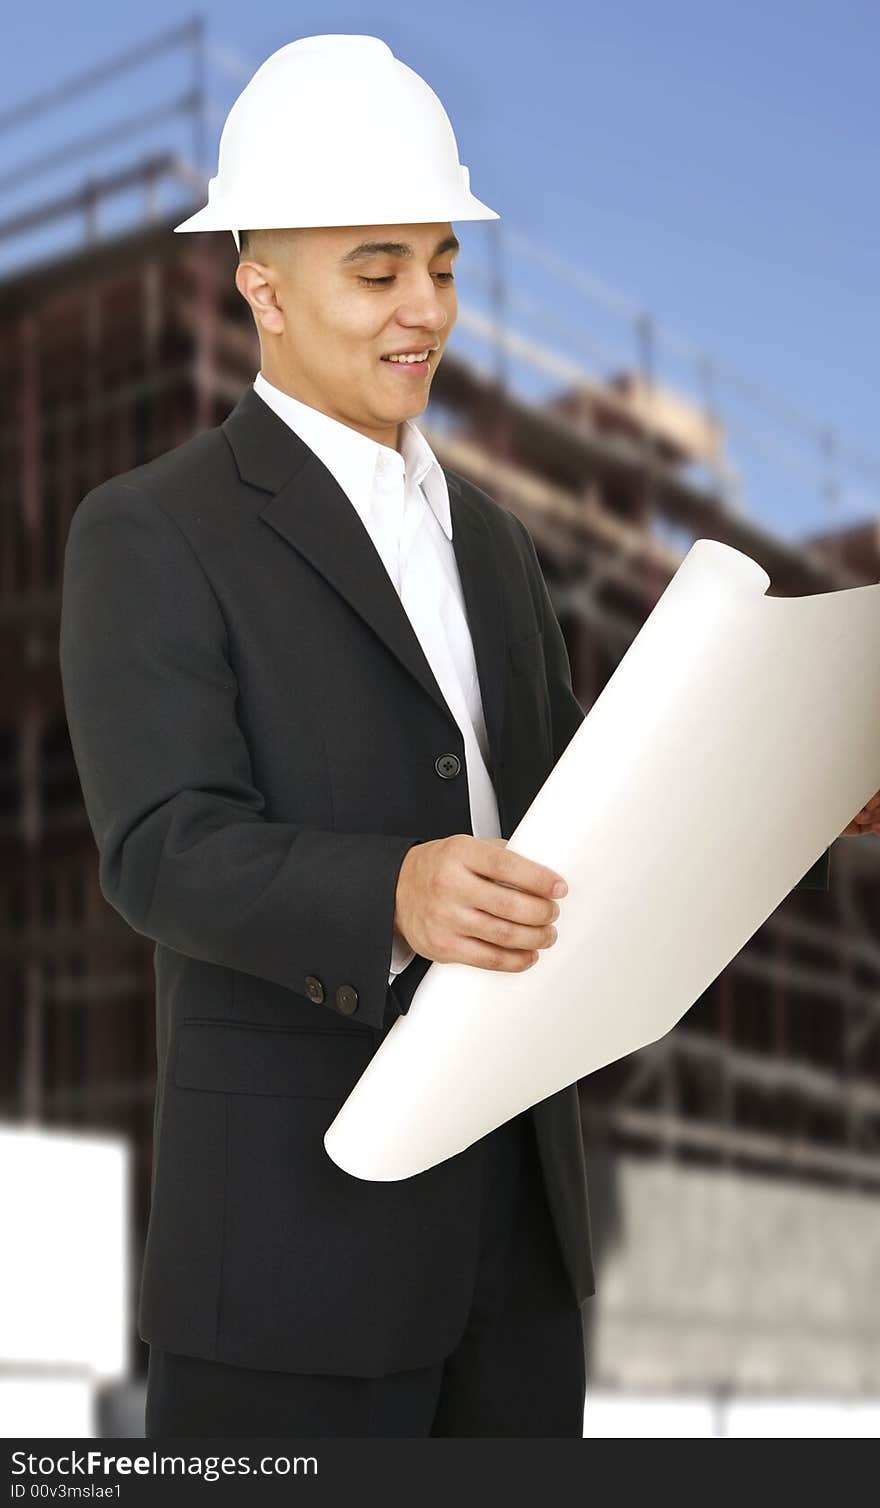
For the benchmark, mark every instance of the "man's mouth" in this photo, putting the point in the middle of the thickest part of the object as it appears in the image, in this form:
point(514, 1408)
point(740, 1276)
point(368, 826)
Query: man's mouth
point(415, 365)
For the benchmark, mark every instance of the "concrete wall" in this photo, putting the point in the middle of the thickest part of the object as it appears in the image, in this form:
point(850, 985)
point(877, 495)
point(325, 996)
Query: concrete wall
point(718, 1279)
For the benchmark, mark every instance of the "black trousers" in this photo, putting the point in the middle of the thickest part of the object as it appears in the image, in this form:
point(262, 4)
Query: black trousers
point(518, 1369)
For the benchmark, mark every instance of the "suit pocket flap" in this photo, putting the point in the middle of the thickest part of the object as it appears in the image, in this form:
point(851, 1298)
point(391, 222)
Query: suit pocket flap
point(245, 1060)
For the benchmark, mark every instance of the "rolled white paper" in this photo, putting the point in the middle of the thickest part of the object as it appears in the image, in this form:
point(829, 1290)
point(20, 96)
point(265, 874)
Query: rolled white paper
point(736, 739)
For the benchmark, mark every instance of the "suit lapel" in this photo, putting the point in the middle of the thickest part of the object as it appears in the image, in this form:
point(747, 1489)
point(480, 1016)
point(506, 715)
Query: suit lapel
point(309, 510)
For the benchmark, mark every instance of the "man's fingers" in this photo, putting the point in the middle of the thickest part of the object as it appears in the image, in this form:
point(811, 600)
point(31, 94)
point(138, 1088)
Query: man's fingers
point(521, 907)
point(862, 824)
point(503, 865)
point(504, 933)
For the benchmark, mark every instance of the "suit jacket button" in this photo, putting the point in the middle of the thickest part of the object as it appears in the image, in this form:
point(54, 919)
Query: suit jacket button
point(447, 765)
point(347, 999)
point(314, 988)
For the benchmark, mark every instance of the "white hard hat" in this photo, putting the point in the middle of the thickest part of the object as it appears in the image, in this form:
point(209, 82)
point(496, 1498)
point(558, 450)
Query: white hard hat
point(335, 130)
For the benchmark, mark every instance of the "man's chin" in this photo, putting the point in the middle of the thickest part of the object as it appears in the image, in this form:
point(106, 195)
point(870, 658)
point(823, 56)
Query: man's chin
point(404, 411)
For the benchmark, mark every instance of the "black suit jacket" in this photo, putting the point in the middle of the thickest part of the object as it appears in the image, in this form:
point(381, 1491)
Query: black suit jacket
point(257, 733)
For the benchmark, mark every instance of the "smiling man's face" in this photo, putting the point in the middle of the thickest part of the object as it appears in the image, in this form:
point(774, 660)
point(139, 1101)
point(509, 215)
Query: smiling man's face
point(331, 303)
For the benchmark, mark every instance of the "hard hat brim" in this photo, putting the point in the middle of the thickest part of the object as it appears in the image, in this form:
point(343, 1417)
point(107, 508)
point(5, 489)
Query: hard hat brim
point(213, 217)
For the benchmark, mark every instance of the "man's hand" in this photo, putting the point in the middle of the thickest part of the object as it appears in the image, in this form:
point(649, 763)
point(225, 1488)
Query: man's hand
point(473, 900)
point(867, 820)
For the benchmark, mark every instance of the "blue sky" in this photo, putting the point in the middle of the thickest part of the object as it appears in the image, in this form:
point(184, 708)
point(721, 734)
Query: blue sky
point(715, 163)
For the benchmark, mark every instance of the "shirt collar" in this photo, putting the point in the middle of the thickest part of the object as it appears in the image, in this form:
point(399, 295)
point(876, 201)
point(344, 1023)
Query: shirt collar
point(353, 457)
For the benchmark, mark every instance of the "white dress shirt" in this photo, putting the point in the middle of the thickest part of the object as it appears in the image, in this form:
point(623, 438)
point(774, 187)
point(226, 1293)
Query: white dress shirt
point(403, 501)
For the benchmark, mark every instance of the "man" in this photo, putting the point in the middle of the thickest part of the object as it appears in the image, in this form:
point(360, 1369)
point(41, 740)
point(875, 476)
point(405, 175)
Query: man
point(313, 680)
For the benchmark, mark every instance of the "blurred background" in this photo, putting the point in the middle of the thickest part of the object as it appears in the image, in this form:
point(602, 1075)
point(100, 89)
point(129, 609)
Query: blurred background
point(671, 333)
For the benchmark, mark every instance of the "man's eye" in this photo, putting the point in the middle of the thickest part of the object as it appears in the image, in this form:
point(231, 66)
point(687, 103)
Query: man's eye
point(374, 282)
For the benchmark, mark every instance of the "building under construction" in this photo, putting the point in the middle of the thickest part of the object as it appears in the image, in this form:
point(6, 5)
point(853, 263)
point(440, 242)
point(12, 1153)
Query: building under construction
point(734, 1187)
